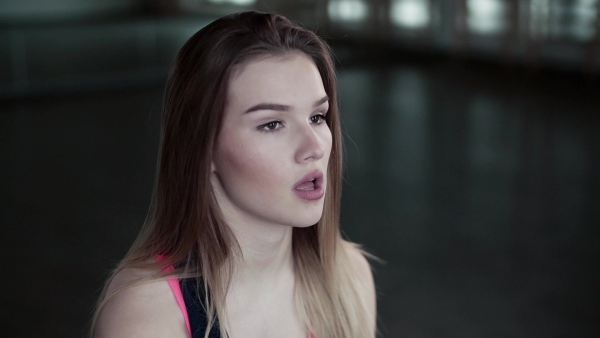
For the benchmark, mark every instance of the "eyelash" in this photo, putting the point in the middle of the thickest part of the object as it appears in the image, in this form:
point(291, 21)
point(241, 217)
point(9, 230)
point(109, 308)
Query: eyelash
point(322, 118)
point(273, 126)
point(266, 127)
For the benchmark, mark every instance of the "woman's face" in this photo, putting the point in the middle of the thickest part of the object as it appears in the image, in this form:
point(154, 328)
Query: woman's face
point(271, 155)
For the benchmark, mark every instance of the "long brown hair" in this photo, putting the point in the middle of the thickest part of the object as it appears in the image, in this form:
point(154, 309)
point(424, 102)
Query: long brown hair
point(185, 223)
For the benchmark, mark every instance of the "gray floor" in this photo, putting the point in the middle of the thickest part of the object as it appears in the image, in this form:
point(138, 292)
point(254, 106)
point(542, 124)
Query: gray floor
point(477, 185)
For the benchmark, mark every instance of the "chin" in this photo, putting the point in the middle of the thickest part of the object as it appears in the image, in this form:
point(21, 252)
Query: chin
point(308, 220)
point(306, 225)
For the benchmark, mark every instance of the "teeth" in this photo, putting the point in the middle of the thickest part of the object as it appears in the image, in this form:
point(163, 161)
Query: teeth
point(308, 185)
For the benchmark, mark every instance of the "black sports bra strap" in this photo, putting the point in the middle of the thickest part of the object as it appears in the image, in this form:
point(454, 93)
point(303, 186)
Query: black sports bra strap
point(193, 295)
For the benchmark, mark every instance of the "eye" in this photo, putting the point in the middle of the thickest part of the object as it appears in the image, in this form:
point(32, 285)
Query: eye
point(270, 126)
point(317, 119)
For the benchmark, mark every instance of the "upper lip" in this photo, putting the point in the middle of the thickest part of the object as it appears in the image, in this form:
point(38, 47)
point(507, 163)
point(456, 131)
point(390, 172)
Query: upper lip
point(316, 176)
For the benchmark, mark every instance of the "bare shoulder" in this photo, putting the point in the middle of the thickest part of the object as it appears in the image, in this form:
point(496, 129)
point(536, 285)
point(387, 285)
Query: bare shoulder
point(362, 274)
point(358, 259)
point(138, 308)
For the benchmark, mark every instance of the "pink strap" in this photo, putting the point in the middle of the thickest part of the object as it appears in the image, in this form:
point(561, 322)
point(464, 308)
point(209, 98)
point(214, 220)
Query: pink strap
point(176, 288)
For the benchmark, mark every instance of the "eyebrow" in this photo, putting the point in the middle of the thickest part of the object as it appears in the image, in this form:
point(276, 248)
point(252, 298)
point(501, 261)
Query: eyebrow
point(282, 107)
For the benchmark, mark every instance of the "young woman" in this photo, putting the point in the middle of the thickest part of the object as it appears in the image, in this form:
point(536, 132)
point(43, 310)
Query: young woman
point(243, 237)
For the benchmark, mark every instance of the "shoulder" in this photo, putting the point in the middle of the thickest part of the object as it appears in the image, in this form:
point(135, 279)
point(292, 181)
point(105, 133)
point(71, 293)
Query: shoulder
point(357, 258)
point(137, 305)
point(362, 274)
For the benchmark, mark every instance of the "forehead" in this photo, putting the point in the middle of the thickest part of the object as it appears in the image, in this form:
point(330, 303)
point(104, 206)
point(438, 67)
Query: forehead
point(287, 79)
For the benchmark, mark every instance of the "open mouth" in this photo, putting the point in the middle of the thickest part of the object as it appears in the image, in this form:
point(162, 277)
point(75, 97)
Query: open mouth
point(312, 181)
point(310, 185)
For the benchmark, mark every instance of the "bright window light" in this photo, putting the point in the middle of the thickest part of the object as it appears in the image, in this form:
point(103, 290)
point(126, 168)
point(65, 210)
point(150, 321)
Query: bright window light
point(412, 14)
point(486, 16)
point(347, 10)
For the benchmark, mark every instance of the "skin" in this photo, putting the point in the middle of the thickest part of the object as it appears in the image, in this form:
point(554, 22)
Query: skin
point(259, 157)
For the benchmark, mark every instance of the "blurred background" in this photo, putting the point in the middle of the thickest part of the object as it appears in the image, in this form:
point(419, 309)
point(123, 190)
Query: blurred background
point(472, 161)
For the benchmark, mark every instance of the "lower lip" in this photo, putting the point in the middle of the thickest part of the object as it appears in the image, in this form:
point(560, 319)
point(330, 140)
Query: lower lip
point(310, 195)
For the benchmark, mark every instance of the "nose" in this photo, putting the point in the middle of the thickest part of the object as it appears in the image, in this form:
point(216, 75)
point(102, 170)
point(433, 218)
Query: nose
point(310, 145)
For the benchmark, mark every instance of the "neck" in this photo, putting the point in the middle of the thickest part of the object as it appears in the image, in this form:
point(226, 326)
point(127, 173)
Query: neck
point(266, 252)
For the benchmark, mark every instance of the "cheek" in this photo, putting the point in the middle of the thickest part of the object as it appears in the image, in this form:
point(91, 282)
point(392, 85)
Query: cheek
point(243, 163)
point(237, 159)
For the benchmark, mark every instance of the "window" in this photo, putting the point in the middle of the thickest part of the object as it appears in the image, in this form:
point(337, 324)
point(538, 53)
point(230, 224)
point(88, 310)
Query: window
point(486, 17)
point(410, 14)
point(347, 10)
point(574, 20)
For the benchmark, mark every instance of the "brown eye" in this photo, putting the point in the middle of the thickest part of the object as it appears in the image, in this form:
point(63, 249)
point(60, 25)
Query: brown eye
point(317, 119)
point(270, 126)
